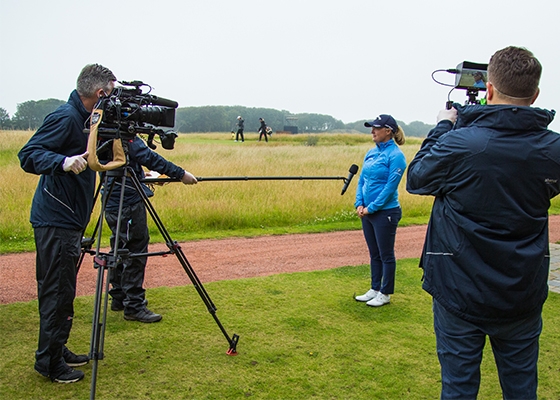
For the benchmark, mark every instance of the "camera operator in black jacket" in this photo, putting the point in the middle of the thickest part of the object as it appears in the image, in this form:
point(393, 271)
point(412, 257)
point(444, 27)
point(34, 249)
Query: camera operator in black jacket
point(492, 170)
point(60, 212)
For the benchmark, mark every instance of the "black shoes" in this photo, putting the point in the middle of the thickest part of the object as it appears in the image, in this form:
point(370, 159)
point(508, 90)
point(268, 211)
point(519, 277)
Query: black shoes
point(143, 315)
point(68, 375)
point(74, 360)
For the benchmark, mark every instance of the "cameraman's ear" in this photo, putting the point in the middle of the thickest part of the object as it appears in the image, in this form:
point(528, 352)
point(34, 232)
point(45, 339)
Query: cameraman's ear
point(489, 92)
point(536, 95)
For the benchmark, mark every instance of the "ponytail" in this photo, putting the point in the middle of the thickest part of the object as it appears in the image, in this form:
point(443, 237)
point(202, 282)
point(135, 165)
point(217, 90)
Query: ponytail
point(398, 136)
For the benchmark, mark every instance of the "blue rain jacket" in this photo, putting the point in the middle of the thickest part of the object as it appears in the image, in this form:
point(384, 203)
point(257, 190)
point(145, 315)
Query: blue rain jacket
point(382, 170)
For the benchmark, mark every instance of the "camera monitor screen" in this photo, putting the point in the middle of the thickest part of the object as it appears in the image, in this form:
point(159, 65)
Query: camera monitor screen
point(471, 76)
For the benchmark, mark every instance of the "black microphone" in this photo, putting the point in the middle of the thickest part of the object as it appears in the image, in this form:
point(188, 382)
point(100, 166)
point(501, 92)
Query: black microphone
point(353, 170)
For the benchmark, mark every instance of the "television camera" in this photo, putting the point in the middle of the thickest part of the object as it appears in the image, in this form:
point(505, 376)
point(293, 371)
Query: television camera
point(128, 111)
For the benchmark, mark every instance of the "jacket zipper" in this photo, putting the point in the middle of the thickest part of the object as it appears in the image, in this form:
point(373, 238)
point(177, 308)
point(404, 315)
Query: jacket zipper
point(60, 201)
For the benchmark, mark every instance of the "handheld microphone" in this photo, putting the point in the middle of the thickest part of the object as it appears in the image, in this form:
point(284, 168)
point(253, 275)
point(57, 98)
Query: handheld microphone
point(353, 170)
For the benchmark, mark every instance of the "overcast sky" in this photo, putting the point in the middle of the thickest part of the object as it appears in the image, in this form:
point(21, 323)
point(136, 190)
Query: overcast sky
point(352, 59)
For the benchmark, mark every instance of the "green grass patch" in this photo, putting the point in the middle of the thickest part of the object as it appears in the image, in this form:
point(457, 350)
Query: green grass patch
point(302, 336)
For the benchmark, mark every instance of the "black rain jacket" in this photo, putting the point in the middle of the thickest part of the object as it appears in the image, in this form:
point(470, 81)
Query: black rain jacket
point(139, 155)
point(62, 199)
point(486, 254)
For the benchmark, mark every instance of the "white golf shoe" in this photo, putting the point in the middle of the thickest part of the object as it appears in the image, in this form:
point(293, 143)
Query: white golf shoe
point(370, 294)
point(379, 300)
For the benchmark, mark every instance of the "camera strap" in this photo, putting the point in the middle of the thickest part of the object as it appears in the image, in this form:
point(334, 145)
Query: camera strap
point(119, 158)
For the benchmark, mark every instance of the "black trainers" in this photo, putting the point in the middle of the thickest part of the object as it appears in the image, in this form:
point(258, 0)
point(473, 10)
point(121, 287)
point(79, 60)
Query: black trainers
point(74, 360)
point(68, 375)
point(143, 315)
point(117, 305)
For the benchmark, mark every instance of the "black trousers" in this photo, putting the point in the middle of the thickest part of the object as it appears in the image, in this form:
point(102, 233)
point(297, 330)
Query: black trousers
point(240, 133)
point(58, 251)
point(127, 278)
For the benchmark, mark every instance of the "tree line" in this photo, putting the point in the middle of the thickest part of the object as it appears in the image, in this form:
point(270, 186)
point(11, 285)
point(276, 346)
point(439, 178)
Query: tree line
point(30, 114)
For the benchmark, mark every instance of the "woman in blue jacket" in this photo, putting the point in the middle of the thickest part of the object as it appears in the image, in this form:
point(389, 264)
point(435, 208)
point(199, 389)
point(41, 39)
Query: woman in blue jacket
point(377, 204)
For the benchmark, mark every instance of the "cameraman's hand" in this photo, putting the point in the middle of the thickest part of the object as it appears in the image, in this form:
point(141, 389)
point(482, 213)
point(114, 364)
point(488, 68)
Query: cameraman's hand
point(188, 178)
point(76, 164)
point(450, 115)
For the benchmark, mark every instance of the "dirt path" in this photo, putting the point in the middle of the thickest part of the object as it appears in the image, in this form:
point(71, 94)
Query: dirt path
point(224, 259)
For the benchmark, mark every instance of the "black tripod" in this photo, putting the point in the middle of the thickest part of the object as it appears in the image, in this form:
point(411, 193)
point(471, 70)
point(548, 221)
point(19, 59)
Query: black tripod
point(105, 261)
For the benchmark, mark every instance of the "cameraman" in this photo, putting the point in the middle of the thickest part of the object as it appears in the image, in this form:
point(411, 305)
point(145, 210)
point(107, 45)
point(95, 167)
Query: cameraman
point(60, 212)
point(493, 170)
point(127, 278)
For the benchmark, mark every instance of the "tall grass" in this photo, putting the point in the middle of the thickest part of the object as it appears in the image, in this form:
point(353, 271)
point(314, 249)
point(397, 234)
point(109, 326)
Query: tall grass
point(219, 209)
point(234, 208)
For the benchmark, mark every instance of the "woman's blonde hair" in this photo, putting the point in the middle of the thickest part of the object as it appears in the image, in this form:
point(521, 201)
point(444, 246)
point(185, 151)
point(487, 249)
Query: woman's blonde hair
point(398, 136)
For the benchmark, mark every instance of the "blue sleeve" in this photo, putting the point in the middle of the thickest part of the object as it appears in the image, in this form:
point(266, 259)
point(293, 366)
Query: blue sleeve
point(44, 154)
point(397, 167)
point(359, 193)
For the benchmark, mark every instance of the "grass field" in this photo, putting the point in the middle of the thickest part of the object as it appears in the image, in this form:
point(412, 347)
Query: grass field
point(302, 336)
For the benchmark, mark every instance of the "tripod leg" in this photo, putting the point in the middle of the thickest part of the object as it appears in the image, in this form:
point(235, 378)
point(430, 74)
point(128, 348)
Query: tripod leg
point(102, 262)
point(96, 349)
point(176, 249)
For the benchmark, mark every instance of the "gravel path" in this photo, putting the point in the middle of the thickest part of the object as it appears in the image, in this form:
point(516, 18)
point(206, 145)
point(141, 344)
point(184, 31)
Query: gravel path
point(225, 259)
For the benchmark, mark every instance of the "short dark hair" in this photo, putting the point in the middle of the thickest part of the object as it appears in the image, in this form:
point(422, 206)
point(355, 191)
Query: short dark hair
point(515, 72)
point(92, 78)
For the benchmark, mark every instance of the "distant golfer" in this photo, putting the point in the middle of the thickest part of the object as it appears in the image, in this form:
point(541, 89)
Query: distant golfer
point(262, 130)
point(240, 127)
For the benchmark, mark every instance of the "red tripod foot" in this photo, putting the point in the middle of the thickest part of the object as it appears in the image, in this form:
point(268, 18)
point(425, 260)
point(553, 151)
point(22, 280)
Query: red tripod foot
point(232, 351)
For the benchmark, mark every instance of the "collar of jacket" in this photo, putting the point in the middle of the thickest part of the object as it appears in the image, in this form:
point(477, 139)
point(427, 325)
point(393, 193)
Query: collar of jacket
point(76, 102)
point(502, 116)
point(383, 146)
